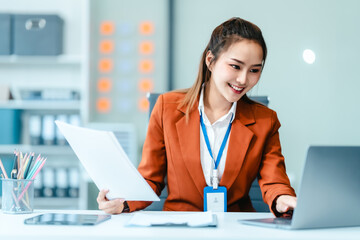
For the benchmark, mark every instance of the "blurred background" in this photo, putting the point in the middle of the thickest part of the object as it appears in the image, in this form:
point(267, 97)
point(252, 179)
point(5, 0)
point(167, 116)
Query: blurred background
point(92, 62)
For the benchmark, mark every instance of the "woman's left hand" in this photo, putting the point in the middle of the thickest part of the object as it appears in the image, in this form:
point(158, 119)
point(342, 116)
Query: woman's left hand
point(285, 203)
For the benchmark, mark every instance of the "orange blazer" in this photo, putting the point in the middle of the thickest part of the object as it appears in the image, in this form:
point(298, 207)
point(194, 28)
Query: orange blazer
point(172, 149)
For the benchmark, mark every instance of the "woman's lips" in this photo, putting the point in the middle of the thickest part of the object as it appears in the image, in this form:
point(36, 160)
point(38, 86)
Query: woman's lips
point(236, 89)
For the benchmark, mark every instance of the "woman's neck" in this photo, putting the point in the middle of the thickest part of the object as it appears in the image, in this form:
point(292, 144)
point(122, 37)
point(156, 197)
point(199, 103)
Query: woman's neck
point(215, 105)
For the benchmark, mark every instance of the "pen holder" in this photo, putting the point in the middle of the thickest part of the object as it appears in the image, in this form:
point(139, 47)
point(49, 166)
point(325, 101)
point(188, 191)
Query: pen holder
point(17, 196)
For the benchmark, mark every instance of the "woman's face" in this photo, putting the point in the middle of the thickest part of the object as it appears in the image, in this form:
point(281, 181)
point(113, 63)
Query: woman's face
point(235, 72)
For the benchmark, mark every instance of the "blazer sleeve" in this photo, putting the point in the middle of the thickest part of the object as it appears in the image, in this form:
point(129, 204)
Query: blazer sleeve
point(153, 165)
point(273, 180)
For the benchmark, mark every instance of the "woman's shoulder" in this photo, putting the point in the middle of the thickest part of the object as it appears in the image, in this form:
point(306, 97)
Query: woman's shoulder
point(259, 109)
point(175, 96)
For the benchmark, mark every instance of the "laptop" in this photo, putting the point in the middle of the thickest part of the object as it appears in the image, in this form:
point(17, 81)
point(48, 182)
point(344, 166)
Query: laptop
point(329, 193)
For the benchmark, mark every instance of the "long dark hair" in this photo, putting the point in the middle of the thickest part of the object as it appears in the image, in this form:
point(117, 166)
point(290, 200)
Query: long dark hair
point(223, 36)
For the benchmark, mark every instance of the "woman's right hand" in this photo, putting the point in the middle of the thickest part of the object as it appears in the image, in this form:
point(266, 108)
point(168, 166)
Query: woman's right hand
point(114, 206)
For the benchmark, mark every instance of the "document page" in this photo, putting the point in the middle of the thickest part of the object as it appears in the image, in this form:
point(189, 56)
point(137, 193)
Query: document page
point(107, 164)
point(201, 219)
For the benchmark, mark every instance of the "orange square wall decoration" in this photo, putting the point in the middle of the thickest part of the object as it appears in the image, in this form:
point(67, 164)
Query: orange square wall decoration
point(104, 85)
point(146, 28)
point(146, 85)
point(146, 66)
point(106, 46)
point(143, 104)
point(146, 47)
point(107, 28)
point(103, 105)
point(105, 65)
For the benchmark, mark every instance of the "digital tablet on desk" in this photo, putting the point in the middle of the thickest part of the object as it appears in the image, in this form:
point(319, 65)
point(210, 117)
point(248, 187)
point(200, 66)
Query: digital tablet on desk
point(67, 219)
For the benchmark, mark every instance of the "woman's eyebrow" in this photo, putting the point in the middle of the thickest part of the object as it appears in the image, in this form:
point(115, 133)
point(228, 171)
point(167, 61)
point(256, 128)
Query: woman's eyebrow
point(242, 63)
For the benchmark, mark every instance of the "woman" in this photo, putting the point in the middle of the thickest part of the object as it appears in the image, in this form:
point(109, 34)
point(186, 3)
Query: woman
point(213, 135)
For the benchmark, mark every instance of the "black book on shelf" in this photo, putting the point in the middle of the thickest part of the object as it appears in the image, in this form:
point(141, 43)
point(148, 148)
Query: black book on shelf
point(74, 182)
point(61, 183)
point(48, 182)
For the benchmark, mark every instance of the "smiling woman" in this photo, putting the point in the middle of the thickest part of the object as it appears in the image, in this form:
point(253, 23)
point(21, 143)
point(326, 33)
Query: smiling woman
point(211, 141)
point(235, 72)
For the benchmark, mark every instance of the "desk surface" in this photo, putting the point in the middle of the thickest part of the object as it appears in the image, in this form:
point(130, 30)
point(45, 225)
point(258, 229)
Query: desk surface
point(13, 227)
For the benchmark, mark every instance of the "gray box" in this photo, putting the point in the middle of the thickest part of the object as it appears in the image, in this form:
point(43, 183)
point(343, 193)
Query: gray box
point(5, 34)
point(38, 34)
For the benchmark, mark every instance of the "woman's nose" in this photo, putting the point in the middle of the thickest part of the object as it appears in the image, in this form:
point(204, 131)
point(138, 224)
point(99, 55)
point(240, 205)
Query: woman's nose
point(242, 78)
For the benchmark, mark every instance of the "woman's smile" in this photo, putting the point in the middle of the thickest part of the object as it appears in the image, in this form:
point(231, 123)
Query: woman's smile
point(235, 89)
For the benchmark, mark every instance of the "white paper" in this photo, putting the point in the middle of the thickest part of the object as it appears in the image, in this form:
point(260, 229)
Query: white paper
point(107, 164)
point(201, 219)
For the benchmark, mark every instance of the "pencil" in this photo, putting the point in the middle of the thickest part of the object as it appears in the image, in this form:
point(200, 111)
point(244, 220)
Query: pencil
point(28, 166)
point(32, 178)
point(3, 169)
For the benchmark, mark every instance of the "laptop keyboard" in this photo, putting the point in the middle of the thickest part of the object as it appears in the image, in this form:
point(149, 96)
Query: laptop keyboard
point(277, 221)
point(282, 221)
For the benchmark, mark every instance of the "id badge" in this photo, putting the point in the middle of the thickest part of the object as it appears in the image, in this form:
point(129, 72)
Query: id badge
point(215, 199)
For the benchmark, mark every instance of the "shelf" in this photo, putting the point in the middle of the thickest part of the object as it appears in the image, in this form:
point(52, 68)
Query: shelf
point(46, 150)
point(56, 203)
point(41, 104)
point(46, 60)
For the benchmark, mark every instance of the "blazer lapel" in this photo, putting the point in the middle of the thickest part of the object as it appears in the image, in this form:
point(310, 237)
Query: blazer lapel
point(189, 140)
point(239, 141)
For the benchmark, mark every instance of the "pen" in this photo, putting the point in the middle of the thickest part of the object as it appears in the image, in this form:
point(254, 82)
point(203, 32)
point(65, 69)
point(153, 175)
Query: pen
point(38, 162)
point(15, 160)
point(21, 166)
point(28, 166)
point(3, 169)
point(32, 178)
point(13, 174)
point(24, 166)
point(19, 161)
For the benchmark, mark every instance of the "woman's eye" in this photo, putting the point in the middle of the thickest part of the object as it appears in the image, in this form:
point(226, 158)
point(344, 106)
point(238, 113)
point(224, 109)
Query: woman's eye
point(235, 66)
point(254, 70)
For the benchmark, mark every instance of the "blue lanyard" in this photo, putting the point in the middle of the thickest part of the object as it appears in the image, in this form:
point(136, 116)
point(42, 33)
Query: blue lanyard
point(221, 150)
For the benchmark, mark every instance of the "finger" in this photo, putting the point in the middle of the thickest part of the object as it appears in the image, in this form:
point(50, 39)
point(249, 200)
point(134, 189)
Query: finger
point(116, 207)
point(281, 208)
point(115, 210)
point(293, 202)
point(106, 205)
point(102, 195)
point(290, 202)
point(111, 204)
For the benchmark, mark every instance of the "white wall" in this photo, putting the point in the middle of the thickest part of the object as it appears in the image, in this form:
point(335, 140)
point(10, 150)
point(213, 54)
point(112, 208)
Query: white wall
point(317, 104)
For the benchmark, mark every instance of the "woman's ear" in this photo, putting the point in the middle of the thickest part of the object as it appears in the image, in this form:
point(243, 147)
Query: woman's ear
point(208, 59)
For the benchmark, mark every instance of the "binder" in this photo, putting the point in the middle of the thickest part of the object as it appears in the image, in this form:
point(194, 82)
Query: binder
point(62, 183)
point(74, 119)
point(48, 130)
point(38, 185)
point(60, 139)
point(35, 129)
point(49, 182)
point(74, 182)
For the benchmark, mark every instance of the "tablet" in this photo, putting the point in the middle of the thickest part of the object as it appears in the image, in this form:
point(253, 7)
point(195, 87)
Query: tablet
point(67, 219)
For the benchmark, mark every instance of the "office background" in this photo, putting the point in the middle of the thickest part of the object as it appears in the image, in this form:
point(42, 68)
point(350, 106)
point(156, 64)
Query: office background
point(316, 103)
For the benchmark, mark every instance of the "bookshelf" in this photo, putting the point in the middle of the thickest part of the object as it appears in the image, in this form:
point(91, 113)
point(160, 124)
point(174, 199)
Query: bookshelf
point(66, 72)
point(77, 71)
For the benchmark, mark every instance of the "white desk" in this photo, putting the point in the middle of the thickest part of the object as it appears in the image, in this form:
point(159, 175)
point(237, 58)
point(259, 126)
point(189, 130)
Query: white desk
point(13, 228)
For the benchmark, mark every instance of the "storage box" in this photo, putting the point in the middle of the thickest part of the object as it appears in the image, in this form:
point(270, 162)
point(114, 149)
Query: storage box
point(5, 34)
point(38, 34)
point(10, 126)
